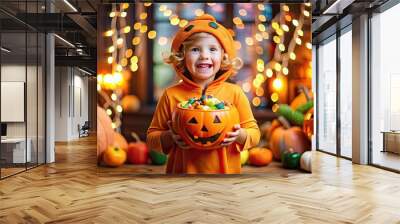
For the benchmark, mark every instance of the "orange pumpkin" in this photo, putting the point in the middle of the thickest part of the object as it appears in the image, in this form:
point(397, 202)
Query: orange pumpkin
point(204, 129)
point(270, 130)
point(260, 156)
point(130, 103)
point(119, 141)
point(105, 133)
point(114, 156)
point(287, 137)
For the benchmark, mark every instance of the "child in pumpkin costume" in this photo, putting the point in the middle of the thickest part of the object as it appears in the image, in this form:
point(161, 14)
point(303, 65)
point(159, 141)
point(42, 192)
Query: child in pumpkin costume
point(204, 56)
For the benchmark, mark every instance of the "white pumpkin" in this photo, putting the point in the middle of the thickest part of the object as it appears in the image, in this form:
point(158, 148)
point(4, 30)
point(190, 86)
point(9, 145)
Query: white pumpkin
point(305, 161)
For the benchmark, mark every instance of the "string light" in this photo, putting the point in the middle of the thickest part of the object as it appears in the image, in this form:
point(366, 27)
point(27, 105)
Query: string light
point(285, 71)
point(285, 8)
point(276, 39)
point(126, 29)
point(298, 41)
point(262, 18)
point(256, 101)
point(292, 56)
point(124, 62)
point(114, 96)
point(309, 45)
point(199, 12)
point(162, 41)
point(285, 28)
point(110, 60)
point(152, 34)
point(112, 14)
point(295, 22)
point(269, 73)
point(136, 41)
point(277, 67)
point(183, 23)
point(120, 41)
point(137, 26)
point(281, 47)
point(249, 41)
point(143, 29)
point(242, 12)
point(125, 5)
point(119, 108)
point(274, 98)
point(277, 84)
point(143, 16)
point(261, 27)
point(109, 33)
point(300, 32)
point(128, 53)
point(123, 14)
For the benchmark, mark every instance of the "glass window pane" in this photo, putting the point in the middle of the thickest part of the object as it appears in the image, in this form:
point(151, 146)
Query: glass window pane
point(346, 94)
point(327, 97)
point(385, 84)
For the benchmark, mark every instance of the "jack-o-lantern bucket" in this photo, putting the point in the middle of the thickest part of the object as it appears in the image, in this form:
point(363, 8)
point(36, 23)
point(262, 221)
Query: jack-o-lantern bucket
point(204, 129)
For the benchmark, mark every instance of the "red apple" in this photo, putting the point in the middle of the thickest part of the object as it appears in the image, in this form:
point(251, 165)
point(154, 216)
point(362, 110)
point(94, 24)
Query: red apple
point(137, 151)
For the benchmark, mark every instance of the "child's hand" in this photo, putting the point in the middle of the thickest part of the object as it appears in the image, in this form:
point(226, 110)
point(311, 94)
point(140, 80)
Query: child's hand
point(239, 135)
point(176, 138)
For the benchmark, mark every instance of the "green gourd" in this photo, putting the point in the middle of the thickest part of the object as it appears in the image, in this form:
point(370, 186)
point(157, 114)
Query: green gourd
point(290, 159)
point(157, 158)
point(305, 107)
point(294, 117)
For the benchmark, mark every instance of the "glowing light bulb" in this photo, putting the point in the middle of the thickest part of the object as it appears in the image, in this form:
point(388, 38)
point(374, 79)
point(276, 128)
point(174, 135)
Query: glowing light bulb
point(277, 84)
point(126, 29)
point(152, 34)
point(114, 97)
point(109, 33)
point(110, 60)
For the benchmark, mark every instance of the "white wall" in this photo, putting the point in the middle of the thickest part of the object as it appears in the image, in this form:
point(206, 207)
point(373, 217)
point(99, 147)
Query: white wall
point(71, 94)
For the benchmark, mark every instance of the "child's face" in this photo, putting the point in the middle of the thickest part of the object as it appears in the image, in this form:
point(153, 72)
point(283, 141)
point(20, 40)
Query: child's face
point(203, 57)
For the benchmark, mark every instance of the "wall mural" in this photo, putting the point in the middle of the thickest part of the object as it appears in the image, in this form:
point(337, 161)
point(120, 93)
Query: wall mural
point(204, 88)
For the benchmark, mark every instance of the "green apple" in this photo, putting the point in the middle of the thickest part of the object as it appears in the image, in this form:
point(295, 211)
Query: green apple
point(291, 160)
point(157, 158)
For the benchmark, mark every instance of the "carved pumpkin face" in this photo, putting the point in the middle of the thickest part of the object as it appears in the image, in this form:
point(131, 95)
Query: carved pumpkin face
point(204, 129)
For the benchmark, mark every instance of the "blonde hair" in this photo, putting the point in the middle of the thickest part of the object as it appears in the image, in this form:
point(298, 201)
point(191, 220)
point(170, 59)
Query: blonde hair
point(177, 58)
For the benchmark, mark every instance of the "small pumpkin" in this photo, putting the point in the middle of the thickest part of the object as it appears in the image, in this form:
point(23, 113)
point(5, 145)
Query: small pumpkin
point(105, 133)
point(286, 137)
point(114, 156)
point(204, 129)
point(291, 159)
point(130, 103)
point(119, 141)
point(306, 161)
point(260, 156)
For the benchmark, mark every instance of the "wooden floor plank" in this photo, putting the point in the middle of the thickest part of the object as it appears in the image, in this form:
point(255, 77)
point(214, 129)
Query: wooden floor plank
point(75, 190)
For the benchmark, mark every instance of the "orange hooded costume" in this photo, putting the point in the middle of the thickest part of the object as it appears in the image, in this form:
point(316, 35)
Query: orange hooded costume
point(193, 161)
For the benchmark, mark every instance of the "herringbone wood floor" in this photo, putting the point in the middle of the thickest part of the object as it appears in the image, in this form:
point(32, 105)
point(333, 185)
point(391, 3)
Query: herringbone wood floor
point(74, 190)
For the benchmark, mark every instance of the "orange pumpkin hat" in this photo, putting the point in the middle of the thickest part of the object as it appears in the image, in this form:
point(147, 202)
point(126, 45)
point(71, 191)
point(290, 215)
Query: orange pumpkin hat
point(207, 24)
